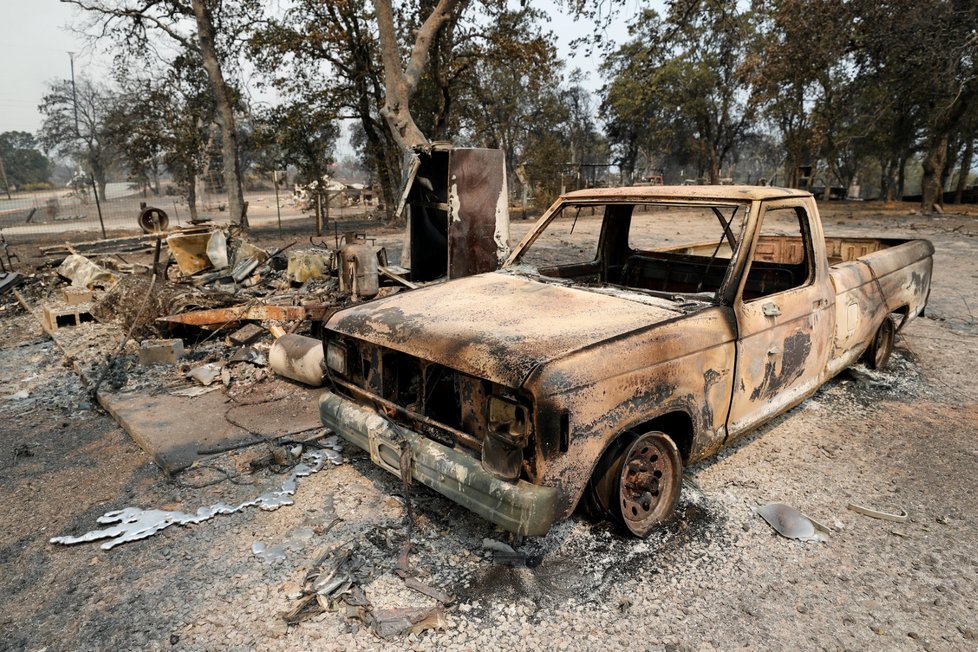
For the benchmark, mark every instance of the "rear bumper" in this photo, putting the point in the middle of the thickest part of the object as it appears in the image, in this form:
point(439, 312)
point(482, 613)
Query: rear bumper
point(519, 507)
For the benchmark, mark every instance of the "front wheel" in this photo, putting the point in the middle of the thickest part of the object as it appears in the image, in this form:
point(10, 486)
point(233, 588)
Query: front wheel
point(878, 353)
point(638, 481)
point(649, 484)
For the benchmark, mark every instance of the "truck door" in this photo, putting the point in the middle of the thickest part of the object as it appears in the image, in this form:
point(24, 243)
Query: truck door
point(784, 315)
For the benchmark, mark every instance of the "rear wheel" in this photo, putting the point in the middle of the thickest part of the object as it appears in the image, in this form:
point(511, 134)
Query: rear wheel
point(878, 354)
point(638, 483)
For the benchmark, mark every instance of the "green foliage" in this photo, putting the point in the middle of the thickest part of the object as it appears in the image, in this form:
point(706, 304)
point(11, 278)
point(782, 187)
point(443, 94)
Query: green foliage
point(25, 166)
point(679, 90)
point(302, 134)
point(328, 52)
point(166, 120)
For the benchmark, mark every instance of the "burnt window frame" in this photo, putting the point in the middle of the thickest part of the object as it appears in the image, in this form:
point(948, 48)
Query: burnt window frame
point(805, 227)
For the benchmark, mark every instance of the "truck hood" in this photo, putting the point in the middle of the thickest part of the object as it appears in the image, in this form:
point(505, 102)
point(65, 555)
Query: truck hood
point(495, 326)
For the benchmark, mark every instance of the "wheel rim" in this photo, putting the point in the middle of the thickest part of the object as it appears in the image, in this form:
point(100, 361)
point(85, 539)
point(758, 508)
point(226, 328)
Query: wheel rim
point(649, 482)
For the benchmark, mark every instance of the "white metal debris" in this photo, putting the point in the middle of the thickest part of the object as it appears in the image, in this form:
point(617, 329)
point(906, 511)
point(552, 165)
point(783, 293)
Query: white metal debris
point(133, 523)
point(789, 522)
point(268, 554)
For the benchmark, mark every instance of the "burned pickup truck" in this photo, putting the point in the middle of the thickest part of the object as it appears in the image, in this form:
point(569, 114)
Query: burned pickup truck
point(602, 357)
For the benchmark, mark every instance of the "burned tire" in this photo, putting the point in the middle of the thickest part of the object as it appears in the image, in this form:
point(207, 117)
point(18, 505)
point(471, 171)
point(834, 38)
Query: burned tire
point(602, 488)
point(638, 482)
point(878, 354)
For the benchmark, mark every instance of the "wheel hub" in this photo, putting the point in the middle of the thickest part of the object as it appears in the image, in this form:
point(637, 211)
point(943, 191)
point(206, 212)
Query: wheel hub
point(641, 478)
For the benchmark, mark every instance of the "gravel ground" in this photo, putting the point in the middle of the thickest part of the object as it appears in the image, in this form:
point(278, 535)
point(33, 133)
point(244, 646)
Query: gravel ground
point(716, 578)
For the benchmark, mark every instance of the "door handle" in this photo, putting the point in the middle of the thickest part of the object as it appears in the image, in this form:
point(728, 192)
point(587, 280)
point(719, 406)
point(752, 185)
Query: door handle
point(770, 310)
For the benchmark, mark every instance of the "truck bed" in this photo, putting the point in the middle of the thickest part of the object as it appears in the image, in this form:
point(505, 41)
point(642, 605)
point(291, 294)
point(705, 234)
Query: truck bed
point(787, 249)
point(872, 278)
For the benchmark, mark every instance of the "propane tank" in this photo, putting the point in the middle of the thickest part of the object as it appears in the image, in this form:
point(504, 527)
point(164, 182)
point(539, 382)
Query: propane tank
point(299, 358)
point(358, 270)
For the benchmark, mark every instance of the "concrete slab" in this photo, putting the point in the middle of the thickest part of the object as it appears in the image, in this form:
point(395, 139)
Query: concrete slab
point(178, 430)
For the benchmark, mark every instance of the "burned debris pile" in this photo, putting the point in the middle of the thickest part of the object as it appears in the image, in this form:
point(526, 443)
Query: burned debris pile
point(195, 338)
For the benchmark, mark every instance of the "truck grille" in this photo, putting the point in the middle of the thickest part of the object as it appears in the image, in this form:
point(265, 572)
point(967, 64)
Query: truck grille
point(452, 400)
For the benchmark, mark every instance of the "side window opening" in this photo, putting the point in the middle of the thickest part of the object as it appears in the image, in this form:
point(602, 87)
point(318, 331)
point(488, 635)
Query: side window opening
point(782, 258)
point(695, 260)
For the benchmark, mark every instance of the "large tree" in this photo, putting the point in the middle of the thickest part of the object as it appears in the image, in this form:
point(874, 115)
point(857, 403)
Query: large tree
point(681, 84)
point(923, 54)
point(173, 124)
point(76, 126)
point(303, 134)
point(401, 77)
point(797, 68)
point(500, 87)
point(330, 49)
point(212, 29)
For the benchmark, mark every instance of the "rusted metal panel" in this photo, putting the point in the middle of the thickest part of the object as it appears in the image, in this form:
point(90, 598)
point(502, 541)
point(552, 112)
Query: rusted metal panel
point(784, 337)
point(459, 213)
point(478, 225)
point(684, 366)
point(219, 317)
point(482, 325)
point(705, 193)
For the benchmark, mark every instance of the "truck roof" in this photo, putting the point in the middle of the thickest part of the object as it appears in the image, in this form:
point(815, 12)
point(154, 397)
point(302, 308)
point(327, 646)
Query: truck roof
point(724, 193)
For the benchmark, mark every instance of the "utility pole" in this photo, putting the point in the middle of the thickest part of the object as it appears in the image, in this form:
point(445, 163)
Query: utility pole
point(74, 100)
point(74, 95)
point(3, 175)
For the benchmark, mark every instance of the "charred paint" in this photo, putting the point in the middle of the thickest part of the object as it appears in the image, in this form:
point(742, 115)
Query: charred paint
point(495, 326)
point(710, 378)
point(796, 350)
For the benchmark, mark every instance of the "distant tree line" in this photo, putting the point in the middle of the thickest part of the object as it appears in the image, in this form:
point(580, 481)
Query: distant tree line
point(840, 86)
point(837, 89)
point(21, 163)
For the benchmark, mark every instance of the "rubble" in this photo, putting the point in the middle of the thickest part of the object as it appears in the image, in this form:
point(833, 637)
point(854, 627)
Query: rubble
point(9, 280)
point(206, 374)
point(83, 273)
point(247, 334)
point(875, 513)
point(307, 265)
point(190, 251)
point(76, 295)
point(299, 358)
point(144, 341)
point(792, 524)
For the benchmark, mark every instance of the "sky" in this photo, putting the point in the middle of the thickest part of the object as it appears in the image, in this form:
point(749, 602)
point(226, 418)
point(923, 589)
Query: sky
point(35, 38)
point(34, 46)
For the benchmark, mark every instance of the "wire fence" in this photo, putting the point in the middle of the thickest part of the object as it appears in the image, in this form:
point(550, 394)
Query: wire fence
point(72, 214)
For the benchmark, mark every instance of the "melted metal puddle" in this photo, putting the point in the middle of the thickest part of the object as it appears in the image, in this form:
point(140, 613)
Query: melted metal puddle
point(133, 523)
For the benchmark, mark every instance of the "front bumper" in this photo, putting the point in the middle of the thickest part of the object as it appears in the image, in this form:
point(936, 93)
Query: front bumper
point(520, 507)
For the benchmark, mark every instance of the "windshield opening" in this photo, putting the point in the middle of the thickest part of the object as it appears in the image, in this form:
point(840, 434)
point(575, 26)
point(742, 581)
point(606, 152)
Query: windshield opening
point(665, 249)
